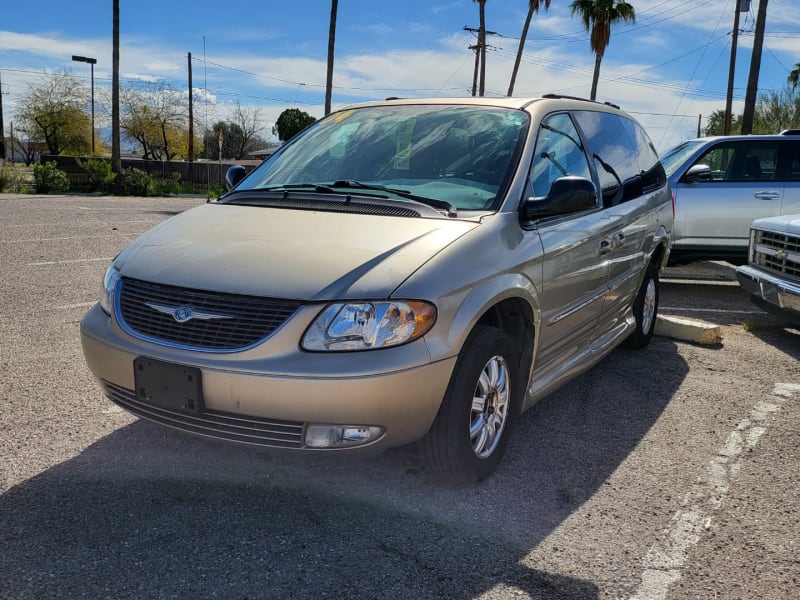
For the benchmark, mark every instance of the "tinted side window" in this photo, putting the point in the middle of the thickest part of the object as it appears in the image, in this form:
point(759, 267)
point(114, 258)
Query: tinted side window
point(559, 152)
point(793, 160)
point(741, 161)
point(614, 156)
point(650, 168)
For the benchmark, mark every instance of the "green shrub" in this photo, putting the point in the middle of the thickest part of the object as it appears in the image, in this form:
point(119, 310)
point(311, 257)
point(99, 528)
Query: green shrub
point(101, 177)
point(15, 179)
point(136, 182)
point(49, 179)
point(170, 185)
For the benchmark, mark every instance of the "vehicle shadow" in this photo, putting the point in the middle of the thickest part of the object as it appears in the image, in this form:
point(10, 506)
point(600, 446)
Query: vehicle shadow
point(780, 335)
point(149, 513)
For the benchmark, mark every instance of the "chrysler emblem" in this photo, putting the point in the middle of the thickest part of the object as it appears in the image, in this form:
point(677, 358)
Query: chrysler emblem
point(184, 313)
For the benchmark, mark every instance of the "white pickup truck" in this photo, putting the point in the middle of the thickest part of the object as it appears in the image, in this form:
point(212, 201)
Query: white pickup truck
point(772, 275)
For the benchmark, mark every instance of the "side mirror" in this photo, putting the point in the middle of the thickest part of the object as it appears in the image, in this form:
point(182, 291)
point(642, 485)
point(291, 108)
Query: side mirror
point(567, 195)
point(696, 173)
point(234, 175)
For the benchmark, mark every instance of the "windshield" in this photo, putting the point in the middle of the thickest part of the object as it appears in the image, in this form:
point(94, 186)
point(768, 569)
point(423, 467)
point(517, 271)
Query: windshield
point(461, 155)
point(673, 158)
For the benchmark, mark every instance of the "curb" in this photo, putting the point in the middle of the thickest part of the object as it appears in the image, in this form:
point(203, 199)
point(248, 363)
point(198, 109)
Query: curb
point(687, 330)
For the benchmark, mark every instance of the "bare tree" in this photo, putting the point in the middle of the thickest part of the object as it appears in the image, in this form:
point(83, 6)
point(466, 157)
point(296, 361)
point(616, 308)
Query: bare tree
point(155, 118)
point(251, 124)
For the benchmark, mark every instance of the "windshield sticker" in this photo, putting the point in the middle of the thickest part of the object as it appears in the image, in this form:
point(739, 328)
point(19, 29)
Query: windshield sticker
point(402, 154)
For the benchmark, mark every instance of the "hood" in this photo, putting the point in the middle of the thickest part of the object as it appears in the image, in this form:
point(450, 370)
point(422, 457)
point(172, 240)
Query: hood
point(279, 253)
point(789, 224)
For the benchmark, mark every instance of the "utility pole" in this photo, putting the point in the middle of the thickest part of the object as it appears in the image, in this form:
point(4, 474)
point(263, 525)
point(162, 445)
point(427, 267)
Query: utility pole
point(476, 48)
point(480, 57)
point(741, 5)
point(331, 46)
point(116, 157)
point(191, 112)
point(755, 67)
point(2, 131)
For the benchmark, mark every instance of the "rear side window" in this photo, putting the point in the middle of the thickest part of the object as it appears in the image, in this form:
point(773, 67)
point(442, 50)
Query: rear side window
point(650, 168)
point(794, 161)
point(614, 155)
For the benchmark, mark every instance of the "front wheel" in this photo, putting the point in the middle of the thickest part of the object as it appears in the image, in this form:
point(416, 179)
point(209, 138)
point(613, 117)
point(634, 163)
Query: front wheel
point(469, 436)
point(645, 310)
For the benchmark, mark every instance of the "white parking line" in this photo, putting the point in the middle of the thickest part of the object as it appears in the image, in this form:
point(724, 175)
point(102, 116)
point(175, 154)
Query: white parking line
point(711, 310)
point(66, 262)
point(79, 305)
point(59, 239)
point(664, 562)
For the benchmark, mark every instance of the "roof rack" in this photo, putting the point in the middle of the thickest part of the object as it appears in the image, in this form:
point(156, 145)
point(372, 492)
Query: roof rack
point(563, 97)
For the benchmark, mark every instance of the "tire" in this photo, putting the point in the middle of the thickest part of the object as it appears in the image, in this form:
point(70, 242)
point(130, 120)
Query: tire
point(469, 436)
point(645, 311)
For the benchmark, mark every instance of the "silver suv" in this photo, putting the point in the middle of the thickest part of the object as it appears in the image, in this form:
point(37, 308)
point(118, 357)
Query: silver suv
point(402, 271)
point(721, 184)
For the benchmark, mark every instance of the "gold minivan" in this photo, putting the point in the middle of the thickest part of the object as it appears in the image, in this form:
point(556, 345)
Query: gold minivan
point(403, 271)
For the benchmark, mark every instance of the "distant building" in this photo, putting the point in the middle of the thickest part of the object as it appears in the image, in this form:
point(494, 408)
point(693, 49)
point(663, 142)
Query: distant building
point(262, 153)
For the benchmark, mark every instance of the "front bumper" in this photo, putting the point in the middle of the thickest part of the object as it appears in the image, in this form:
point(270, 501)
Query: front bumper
point(253, 399)
point(774, 295)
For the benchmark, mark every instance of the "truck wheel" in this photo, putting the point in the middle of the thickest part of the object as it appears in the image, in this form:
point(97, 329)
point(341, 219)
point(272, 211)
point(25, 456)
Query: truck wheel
point(645, 310)
point(469, 436)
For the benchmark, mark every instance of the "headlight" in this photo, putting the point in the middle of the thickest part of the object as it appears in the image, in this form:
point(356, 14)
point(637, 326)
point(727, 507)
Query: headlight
point(110, 281)
point(369, 325)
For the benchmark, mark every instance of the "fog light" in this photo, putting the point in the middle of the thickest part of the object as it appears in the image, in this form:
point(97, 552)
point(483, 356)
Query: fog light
point(337, 436)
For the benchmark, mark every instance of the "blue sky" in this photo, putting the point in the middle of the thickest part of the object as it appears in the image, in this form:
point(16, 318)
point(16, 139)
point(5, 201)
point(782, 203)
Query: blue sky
point(667, 69)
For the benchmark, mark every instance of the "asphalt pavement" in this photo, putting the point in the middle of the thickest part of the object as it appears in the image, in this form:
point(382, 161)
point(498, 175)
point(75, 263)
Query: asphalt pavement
point(669, 473)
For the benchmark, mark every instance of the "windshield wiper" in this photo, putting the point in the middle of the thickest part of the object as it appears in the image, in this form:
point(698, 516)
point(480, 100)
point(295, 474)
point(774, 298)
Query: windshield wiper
point(317, 187)
point(451, 210)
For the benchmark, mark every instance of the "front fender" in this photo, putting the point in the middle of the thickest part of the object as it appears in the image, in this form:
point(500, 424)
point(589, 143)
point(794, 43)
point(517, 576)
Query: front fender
point(475, 302)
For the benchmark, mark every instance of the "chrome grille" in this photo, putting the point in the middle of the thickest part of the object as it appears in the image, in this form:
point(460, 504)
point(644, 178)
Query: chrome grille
point(249, 319)
point(230, 427)
point(777, 253)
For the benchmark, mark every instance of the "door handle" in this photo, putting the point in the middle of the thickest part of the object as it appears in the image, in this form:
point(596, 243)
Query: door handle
point(767, 195)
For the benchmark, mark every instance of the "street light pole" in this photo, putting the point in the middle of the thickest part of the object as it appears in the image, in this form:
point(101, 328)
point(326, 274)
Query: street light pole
point(92, 62)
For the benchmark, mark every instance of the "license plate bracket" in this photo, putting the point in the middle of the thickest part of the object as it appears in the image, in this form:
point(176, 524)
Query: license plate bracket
point(168, 385)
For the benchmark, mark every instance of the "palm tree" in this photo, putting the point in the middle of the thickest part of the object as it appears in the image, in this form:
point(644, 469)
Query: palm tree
point(598, 16)
point(533, 7)
point(482, 45)
point(331, 40)
point(794, 77)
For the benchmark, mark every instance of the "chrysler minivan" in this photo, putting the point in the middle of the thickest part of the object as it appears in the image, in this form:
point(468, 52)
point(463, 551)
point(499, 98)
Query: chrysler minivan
point(407, 271)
